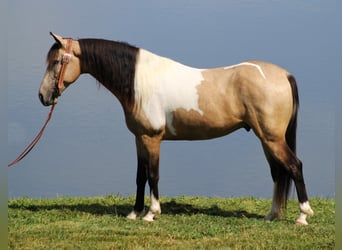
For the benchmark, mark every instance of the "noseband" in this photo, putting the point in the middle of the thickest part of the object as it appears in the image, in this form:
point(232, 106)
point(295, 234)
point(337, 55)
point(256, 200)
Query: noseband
point(66, 58)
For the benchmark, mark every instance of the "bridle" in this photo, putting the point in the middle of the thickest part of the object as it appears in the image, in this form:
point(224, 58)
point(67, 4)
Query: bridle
point(66, 58)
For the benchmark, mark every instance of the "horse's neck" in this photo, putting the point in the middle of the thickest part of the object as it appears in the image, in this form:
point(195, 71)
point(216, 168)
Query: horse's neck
point(112, 64)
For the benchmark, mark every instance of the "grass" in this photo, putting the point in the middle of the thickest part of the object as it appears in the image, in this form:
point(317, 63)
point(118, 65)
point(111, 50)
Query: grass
point(185, 223)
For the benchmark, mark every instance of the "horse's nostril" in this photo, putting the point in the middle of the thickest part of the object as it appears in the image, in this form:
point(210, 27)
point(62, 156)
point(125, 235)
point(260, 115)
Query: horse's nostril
point(40, 97)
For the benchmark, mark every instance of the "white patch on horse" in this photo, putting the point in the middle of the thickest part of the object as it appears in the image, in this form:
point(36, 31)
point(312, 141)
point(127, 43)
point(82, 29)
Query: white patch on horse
point(162, 86)
point(154, 209)
point(248, 64)
point(133, 215)
point(302, 219)
point(305, 208)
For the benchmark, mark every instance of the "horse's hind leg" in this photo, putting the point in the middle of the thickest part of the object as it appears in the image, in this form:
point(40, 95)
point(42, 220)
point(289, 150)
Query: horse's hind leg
point(285, 165)
point(281, 186)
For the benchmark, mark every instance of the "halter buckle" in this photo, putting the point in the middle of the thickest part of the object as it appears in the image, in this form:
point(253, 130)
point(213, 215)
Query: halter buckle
point(66, 58)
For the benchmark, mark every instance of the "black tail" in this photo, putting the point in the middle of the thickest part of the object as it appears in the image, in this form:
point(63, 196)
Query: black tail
point(291, 132)
point(284, 180)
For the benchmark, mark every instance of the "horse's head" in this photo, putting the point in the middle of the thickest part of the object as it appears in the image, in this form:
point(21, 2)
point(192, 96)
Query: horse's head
point(63, 69)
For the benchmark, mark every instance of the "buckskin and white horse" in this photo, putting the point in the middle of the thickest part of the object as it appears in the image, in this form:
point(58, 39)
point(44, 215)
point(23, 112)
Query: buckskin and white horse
point(166, 100)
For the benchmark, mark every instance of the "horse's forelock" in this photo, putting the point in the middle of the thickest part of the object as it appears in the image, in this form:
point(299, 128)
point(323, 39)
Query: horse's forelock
point(53, 52)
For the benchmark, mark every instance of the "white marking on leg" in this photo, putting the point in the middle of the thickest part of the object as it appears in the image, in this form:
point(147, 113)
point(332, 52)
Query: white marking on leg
point(155, 205)
point(154, 209)
point(248, 64)
point(134, 214)
point(305, 208)
point(162, 86)
point(302, 219)
point(149, 216)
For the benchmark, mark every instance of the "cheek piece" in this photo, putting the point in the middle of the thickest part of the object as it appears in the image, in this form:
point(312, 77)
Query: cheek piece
point(66, 58)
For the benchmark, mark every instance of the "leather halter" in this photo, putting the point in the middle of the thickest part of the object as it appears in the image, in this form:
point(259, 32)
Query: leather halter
point(66, 58)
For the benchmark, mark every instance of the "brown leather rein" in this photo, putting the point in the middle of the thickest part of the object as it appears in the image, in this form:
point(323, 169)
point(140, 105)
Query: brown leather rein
point(60, 85)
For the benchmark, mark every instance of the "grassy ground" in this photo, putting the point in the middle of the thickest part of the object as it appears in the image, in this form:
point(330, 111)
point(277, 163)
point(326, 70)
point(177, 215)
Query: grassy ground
point(185, 223)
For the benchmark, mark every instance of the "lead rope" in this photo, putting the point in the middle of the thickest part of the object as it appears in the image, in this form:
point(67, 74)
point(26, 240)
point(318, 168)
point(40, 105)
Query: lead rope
point(35, 140)
point(60, 85)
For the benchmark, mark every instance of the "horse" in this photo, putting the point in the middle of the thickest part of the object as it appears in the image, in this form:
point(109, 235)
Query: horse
point(165, 100)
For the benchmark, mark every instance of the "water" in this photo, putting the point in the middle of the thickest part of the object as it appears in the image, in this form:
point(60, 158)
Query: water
point(87, 149)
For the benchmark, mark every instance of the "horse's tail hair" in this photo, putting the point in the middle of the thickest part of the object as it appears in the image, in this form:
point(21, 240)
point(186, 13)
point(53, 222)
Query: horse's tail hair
point(284, 182)
point(291, 132)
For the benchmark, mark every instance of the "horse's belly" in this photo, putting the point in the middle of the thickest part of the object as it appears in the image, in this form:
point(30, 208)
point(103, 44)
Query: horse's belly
point(191, 125)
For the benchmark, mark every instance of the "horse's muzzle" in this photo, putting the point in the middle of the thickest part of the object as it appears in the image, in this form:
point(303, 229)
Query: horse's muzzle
point(48, 101)
point(41, 98)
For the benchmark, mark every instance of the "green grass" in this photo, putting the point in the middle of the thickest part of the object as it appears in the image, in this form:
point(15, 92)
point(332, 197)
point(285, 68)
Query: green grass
point(185, 223)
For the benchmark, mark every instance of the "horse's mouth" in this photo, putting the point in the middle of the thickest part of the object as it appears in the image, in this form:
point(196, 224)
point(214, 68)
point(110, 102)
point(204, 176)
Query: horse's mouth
point(53, 100)
point(54, 97)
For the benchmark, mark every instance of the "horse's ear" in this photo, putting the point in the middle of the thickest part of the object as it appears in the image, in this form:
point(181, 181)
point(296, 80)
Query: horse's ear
point(58, 39)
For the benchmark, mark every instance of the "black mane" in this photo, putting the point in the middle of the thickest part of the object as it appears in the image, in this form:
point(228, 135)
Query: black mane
point(112, 64)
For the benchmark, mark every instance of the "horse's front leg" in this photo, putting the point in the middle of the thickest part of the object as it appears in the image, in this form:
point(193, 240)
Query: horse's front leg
point(140, 194)
point(148, 149)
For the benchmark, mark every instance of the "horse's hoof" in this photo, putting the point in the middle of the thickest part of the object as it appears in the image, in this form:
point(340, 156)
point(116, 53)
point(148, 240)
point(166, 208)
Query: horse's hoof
point(302, 220)
point(149, 217)
point(271, 216)
point(134, 214)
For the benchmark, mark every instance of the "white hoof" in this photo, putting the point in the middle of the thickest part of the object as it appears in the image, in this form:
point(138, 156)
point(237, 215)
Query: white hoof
point(302, 220)
point(149, 217)
point(134, 214)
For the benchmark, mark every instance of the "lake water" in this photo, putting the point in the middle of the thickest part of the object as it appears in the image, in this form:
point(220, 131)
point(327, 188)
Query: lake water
point(87, 150)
